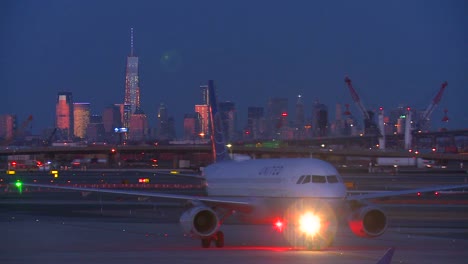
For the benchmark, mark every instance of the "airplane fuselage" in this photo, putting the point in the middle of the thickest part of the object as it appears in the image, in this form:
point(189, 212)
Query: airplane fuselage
point(274, 186)
point(276, 178)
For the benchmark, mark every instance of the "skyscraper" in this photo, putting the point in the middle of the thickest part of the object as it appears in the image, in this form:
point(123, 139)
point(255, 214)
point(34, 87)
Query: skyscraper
point(320, 119)
point(132, 89)
point(95, 130)
point(81, 116)
point(64, 116)
point(191, 126)
point(203, 113)
point(228, 119)
point(7, 126)
point(255, 123)
point(299, 119)
point(111, 118)
point(166, 130)
point(277, 115)
point(204, 91)
point(138, 127)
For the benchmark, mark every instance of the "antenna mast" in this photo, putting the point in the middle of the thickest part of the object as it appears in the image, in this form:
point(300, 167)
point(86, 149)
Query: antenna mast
point(131, 42)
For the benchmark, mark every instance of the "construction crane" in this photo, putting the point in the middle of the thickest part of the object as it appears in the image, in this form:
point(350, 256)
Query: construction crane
point(427, 114)
point(369, 124)
point(48, 141)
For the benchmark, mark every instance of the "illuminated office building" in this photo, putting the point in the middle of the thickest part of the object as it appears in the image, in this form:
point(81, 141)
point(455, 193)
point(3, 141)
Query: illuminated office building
point(81, 116)
point(203, 114)
point(138, 131)
point(64, 116)
point(132, 89)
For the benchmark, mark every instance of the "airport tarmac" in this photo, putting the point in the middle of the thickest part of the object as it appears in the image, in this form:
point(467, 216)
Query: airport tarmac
point(37, 227)
point(38, 237)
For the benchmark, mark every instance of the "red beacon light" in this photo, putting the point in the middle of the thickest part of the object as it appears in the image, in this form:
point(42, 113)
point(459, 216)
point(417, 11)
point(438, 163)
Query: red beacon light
point(279, 225)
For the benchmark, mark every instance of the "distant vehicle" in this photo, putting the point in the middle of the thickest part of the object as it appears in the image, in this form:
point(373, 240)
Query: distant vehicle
point(300, 197)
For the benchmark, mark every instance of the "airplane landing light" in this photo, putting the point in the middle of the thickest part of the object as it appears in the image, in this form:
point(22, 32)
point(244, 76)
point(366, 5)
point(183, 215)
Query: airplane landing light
point(309, 224)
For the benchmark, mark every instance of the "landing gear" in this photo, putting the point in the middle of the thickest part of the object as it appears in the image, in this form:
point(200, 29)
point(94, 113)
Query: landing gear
point(205, 242)
point(318, 244)
point(320, 241)
point(218, 238)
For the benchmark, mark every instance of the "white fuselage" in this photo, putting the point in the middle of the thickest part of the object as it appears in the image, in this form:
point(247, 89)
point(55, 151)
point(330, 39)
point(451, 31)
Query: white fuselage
point(275, 178)
point(274, 186)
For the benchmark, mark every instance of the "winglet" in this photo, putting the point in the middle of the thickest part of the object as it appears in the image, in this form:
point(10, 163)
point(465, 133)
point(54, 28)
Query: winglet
point(217, 136)
point(387, 258)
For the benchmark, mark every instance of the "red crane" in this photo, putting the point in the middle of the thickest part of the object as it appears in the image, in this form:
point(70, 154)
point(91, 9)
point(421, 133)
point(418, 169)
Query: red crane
point(445, 118)
point(356, 98)
point(369, 124)
point(426, 115)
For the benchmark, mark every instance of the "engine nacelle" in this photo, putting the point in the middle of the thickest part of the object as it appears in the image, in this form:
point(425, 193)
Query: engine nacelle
point(368, 221)
point(200, 221)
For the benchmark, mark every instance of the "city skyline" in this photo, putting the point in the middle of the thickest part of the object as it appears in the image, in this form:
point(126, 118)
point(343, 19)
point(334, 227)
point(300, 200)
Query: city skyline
point(411, 52)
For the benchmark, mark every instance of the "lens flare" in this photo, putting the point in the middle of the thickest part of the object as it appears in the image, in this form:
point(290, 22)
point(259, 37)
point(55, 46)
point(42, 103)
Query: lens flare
point(309, 224)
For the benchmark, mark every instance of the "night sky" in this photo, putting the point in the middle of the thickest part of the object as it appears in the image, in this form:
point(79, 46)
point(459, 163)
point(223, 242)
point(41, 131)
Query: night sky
point(397, 53)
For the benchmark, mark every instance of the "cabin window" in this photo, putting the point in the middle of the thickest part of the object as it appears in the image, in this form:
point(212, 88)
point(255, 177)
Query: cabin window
point(318, 179)
point(332, 179)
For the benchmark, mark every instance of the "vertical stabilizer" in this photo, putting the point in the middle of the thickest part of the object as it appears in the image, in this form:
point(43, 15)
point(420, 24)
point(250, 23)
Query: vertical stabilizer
point(387, 258)
point(217, 137)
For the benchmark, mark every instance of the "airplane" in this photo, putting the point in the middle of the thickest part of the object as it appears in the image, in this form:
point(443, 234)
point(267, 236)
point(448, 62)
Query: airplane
point(303, 198)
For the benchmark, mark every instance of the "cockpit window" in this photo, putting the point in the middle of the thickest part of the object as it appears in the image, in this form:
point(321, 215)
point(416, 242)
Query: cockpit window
point(332, 179)
point(300, 179)
point(318, 179)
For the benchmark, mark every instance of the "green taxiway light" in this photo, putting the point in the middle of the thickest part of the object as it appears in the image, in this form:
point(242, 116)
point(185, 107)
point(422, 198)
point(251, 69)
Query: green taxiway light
point(19, 184)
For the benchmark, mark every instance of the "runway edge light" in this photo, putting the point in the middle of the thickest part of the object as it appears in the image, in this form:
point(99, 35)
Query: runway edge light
point(19, 185)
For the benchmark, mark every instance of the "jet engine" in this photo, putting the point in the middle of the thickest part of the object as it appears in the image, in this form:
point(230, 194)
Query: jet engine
point(200, 221)
point(368, 221)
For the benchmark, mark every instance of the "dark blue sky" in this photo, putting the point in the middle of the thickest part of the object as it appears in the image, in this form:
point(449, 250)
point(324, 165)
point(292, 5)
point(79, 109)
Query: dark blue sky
point(396, 53)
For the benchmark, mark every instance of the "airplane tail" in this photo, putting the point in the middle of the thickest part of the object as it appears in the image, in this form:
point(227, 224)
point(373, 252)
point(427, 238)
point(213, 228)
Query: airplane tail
point(387, 258)
point(217, 137)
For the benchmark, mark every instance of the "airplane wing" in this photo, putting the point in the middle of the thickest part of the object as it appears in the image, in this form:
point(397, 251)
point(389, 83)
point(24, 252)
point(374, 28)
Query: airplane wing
point(182, 174)
point(231, 204)
point(174, 173)
point(382, 194)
